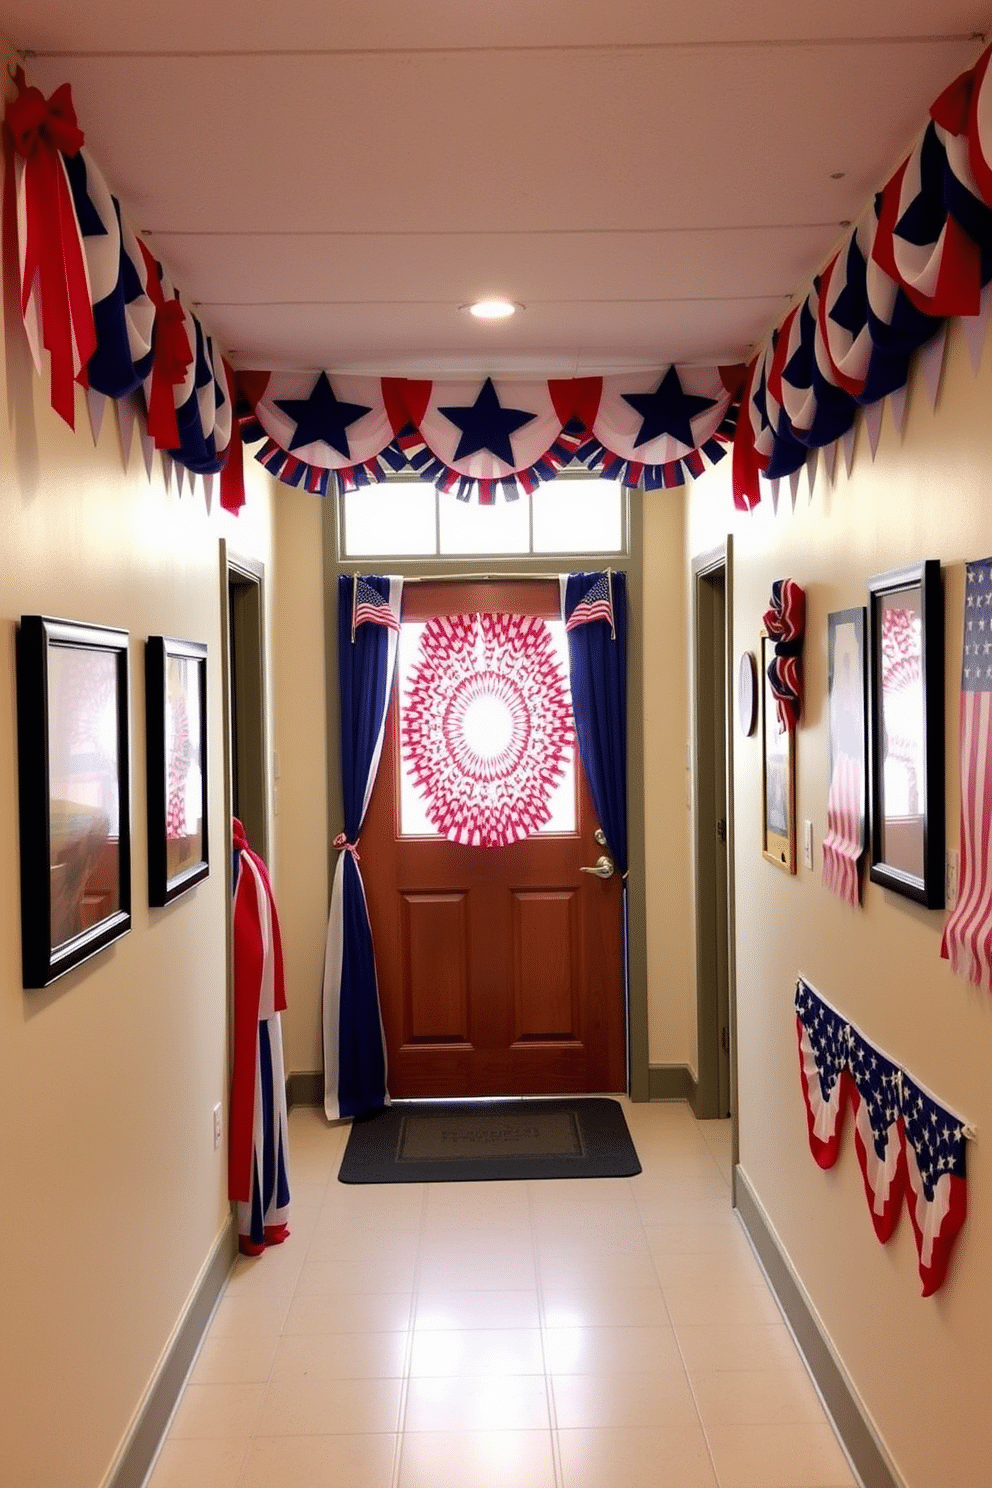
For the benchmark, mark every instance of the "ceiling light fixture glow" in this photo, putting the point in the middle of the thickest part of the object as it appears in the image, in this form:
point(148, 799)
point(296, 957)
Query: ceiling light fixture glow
point(492, 309)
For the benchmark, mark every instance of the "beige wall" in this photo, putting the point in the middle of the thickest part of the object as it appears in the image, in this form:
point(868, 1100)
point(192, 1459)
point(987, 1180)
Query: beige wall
point(113, 1193)
point(300, 881)
point(921, 1366)
point(668, 852)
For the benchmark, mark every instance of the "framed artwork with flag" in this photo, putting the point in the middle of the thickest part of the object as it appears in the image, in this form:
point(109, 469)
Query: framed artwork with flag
point(73, 779)
point(906, 691)
point(778, 774)
point(176, 719)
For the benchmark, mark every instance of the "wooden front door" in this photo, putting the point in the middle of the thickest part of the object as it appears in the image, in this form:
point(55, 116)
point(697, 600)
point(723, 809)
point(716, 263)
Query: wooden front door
point(500, 969)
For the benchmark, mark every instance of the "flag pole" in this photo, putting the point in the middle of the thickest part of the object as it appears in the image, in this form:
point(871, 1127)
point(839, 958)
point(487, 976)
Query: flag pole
point(354, 603)
point(609, 591)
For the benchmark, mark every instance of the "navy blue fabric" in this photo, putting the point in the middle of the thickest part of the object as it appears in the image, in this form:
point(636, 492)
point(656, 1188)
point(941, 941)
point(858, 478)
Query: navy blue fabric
point(363, 670)
point(598, 675)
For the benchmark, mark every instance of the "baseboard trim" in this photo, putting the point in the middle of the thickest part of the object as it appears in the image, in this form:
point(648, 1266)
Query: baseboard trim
point(141, 1444)
point(305, 1088)
point(868, 1456)
point(669, 1082)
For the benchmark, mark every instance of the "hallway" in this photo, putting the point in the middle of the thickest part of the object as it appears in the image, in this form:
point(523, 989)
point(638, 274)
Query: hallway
point(574, 1334)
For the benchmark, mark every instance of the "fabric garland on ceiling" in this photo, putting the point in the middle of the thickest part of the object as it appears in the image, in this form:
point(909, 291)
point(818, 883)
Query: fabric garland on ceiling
point(920, 254)
point(909, 1145)
point(95, 297)
point(481, 436)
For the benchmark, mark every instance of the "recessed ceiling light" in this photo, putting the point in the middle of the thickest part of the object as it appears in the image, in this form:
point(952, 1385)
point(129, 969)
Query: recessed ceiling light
point(492, 309)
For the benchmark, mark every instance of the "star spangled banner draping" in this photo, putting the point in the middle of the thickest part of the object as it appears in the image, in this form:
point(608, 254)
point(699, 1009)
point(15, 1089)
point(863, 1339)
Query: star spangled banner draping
point(909, 1146)
point(921, 253)
point(95, 297)
point(967, 940)
point(325, 430)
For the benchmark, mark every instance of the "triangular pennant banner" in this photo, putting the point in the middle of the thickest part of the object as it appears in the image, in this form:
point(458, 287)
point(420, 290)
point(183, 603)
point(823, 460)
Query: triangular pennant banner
point(773, 486)
point(208, 493)
point(794, 485)
point(976, 327)
point(830, 460)
point(847, 440)
point(897, 402)
point(96, 407)
point(166, 469)
point(180, 477)
point(147, 448)
point(127, 414)
point(873, 423)
point(811, 465)
point(932, 362)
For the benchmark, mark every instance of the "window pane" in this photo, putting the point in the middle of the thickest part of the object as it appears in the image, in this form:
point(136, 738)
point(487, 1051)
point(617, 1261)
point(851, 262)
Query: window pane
point(394, 518)
point(467, 527)
point(578, 516)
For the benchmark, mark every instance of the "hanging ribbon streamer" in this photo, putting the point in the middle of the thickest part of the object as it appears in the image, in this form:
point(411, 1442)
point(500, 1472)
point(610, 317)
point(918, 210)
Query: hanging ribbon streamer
point(785, 622)
point(173, 358)
point(55, 292)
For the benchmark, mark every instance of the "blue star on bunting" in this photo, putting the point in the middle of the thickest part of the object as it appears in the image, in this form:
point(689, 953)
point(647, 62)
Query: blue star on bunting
point(486, 424)
point(322, 417)
point(668, 410)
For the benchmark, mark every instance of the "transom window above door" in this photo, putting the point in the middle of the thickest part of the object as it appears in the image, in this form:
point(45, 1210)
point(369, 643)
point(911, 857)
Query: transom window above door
point(408, 518)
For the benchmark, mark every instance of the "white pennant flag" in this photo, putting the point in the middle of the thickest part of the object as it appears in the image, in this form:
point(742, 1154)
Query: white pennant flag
point(127, 413)
point(96, 407)
point(180, 476)
point(774, 487)
point(830, 460)
point(932, 362)
point(166, 468)
point(873, 423)
point(897, 402)
point(208, 492)
point(147, 448)
point(811, 464)
point(847, 440)
point(794, 485)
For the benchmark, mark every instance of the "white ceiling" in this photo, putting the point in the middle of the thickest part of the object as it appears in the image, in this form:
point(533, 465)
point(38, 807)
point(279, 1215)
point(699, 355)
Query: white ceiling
point(653, 181)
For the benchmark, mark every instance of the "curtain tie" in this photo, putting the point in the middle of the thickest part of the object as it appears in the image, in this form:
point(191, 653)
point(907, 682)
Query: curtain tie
point(343, 845)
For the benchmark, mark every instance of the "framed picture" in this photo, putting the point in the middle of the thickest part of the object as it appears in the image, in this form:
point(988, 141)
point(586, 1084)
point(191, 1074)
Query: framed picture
point(176, 715)
point(73, 767)
point(778, 775)
point(847, 688)
point(906, 690)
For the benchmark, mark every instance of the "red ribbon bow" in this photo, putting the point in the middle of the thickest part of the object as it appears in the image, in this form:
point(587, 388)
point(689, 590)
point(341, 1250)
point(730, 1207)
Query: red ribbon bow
point(173, 358)
point(52, 250)
point(341, 842)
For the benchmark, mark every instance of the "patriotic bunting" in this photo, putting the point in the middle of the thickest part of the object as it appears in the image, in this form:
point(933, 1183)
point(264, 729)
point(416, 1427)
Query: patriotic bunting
point(967, 941)
point(909, 1146)
point(785, 622)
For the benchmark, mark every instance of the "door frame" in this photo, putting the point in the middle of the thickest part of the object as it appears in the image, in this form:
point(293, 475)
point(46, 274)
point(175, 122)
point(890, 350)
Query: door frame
point(712, 572)
point(496, 568)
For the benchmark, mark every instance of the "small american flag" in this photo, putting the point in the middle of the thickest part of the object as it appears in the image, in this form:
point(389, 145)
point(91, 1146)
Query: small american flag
point(935, 1169)
point(967, 942)
point(371, 608)
point(595, 604)
point(824, 1069)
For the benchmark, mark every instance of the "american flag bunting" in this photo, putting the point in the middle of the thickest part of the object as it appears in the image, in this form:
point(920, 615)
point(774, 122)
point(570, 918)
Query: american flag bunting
point(823, 1066)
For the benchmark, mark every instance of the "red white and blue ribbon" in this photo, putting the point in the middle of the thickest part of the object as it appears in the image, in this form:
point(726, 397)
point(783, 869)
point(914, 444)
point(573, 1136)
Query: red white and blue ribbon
point(785, 622)
point(55, 292)
point(258, 1131)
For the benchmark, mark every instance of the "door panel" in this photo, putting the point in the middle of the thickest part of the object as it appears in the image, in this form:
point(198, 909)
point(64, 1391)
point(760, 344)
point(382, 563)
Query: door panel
point(500, 969)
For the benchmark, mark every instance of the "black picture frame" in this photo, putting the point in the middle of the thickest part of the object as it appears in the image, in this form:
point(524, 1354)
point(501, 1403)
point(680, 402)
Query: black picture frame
point(176, 728)
point(906, 713)
point(847, 694)
point(73, 793)
point(778, 775)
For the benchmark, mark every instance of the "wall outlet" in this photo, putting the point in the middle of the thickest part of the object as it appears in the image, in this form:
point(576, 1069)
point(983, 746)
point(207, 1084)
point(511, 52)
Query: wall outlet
point(807, 844)
point(950, 878)
point(218, 1125)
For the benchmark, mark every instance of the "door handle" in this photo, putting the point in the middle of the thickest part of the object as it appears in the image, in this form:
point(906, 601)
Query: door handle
point(603, 868)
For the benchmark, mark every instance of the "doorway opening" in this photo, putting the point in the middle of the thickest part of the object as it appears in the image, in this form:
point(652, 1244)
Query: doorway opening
point(716, 1088)
point(242, 584)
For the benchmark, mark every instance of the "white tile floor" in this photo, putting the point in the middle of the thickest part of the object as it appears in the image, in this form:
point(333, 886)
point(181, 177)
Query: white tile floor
point(612, 1333)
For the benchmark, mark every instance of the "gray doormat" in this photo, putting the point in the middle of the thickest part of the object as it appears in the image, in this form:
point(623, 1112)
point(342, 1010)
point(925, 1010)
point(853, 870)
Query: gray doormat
point(482, 1141)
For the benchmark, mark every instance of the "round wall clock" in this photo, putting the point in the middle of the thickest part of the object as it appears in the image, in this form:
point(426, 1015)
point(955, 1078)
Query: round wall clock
point(747, 692)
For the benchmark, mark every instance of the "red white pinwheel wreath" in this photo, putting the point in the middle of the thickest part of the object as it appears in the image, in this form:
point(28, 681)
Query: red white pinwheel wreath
point(487, 726)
